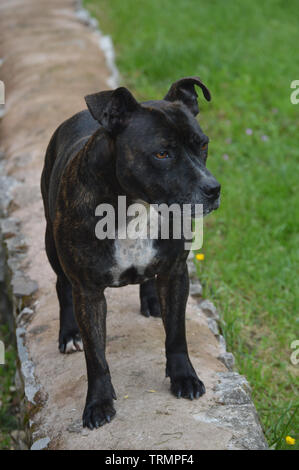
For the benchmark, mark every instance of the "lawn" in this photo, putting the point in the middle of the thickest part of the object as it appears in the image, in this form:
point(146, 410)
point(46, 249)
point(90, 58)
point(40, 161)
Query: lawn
point(247, 54)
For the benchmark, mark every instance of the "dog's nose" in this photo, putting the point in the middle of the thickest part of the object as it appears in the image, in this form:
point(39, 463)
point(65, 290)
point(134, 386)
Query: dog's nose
point(212, 189)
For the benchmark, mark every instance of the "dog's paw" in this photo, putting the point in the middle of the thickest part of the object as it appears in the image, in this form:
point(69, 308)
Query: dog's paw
point(183, 378)
point(70, 342)
point(149, 300)
point(187, 387)
point(150, 307)
point(97, 413)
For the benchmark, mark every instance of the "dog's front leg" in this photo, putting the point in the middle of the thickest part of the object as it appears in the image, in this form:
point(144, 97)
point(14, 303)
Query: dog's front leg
point(90, 310)
point(173, 293)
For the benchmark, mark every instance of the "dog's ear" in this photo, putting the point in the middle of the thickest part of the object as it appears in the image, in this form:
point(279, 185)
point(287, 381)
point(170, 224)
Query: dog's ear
point(184, 90)
point(112, 109)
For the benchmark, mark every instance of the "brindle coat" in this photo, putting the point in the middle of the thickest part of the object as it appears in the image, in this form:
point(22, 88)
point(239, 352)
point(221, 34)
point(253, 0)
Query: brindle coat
point(114, 149)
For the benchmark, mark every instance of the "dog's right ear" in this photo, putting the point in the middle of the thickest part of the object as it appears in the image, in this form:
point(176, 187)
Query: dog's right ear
point(184, 90)
point(112, 109)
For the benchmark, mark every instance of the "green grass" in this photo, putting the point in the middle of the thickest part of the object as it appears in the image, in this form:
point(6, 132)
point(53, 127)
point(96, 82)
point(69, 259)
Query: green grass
point(246, 53)
point(8, 399)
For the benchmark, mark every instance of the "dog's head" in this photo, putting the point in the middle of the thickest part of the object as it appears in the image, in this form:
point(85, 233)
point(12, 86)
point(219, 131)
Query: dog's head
point(161, 150)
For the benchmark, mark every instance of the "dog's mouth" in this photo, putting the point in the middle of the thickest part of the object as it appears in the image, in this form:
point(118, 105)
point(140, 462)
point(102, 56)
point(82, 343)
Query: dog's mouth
point(207, 208)
point(200, 209)
point(208, 211)
point(215, 205)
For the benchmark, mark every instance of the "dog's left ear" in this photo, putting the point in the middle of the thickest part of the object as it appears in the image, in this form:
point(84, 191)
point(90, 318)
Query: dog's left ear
point(112, 108)
point(184, 90)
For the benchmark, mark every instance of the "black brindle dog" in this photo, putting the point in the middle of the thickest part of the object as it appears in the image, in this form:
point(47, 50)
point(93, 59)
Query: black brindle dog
point(153, 152)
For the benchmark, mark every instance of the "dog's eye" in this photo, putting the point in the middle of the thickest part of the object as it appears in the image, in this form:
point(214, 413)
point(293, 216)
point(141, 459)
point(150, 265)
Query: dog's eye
point(161, 155)
point(204, 147)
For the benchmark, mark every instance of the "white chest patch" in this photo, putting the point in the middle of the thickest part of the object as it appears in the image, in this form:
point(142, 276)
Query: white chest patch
point(135, 253)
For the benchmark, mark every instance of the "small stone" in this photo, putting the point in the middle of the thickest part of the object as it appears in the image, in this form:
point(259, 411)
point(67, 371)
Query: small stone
point(233, 389)
point(22, 435)
point(227, 359)
point(22, 445)
point(16, 244)
point(23, 286)
point(222, 344)
point(15, 435)
point(7, 184)
point(192, 270)
point(19, 438)
point(83, 15)
point(209, 309)
point(195, 289)
point(93, 23)
point(40, 444)
point(9, 227)
point(24, 315)
point(14, 261)
point(212, 324)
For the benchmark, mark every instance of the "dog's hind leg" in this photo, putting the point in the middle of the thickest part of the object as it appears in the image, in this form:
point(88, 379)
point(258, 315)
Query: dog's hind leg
point(149, 300)
point(69, 337)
